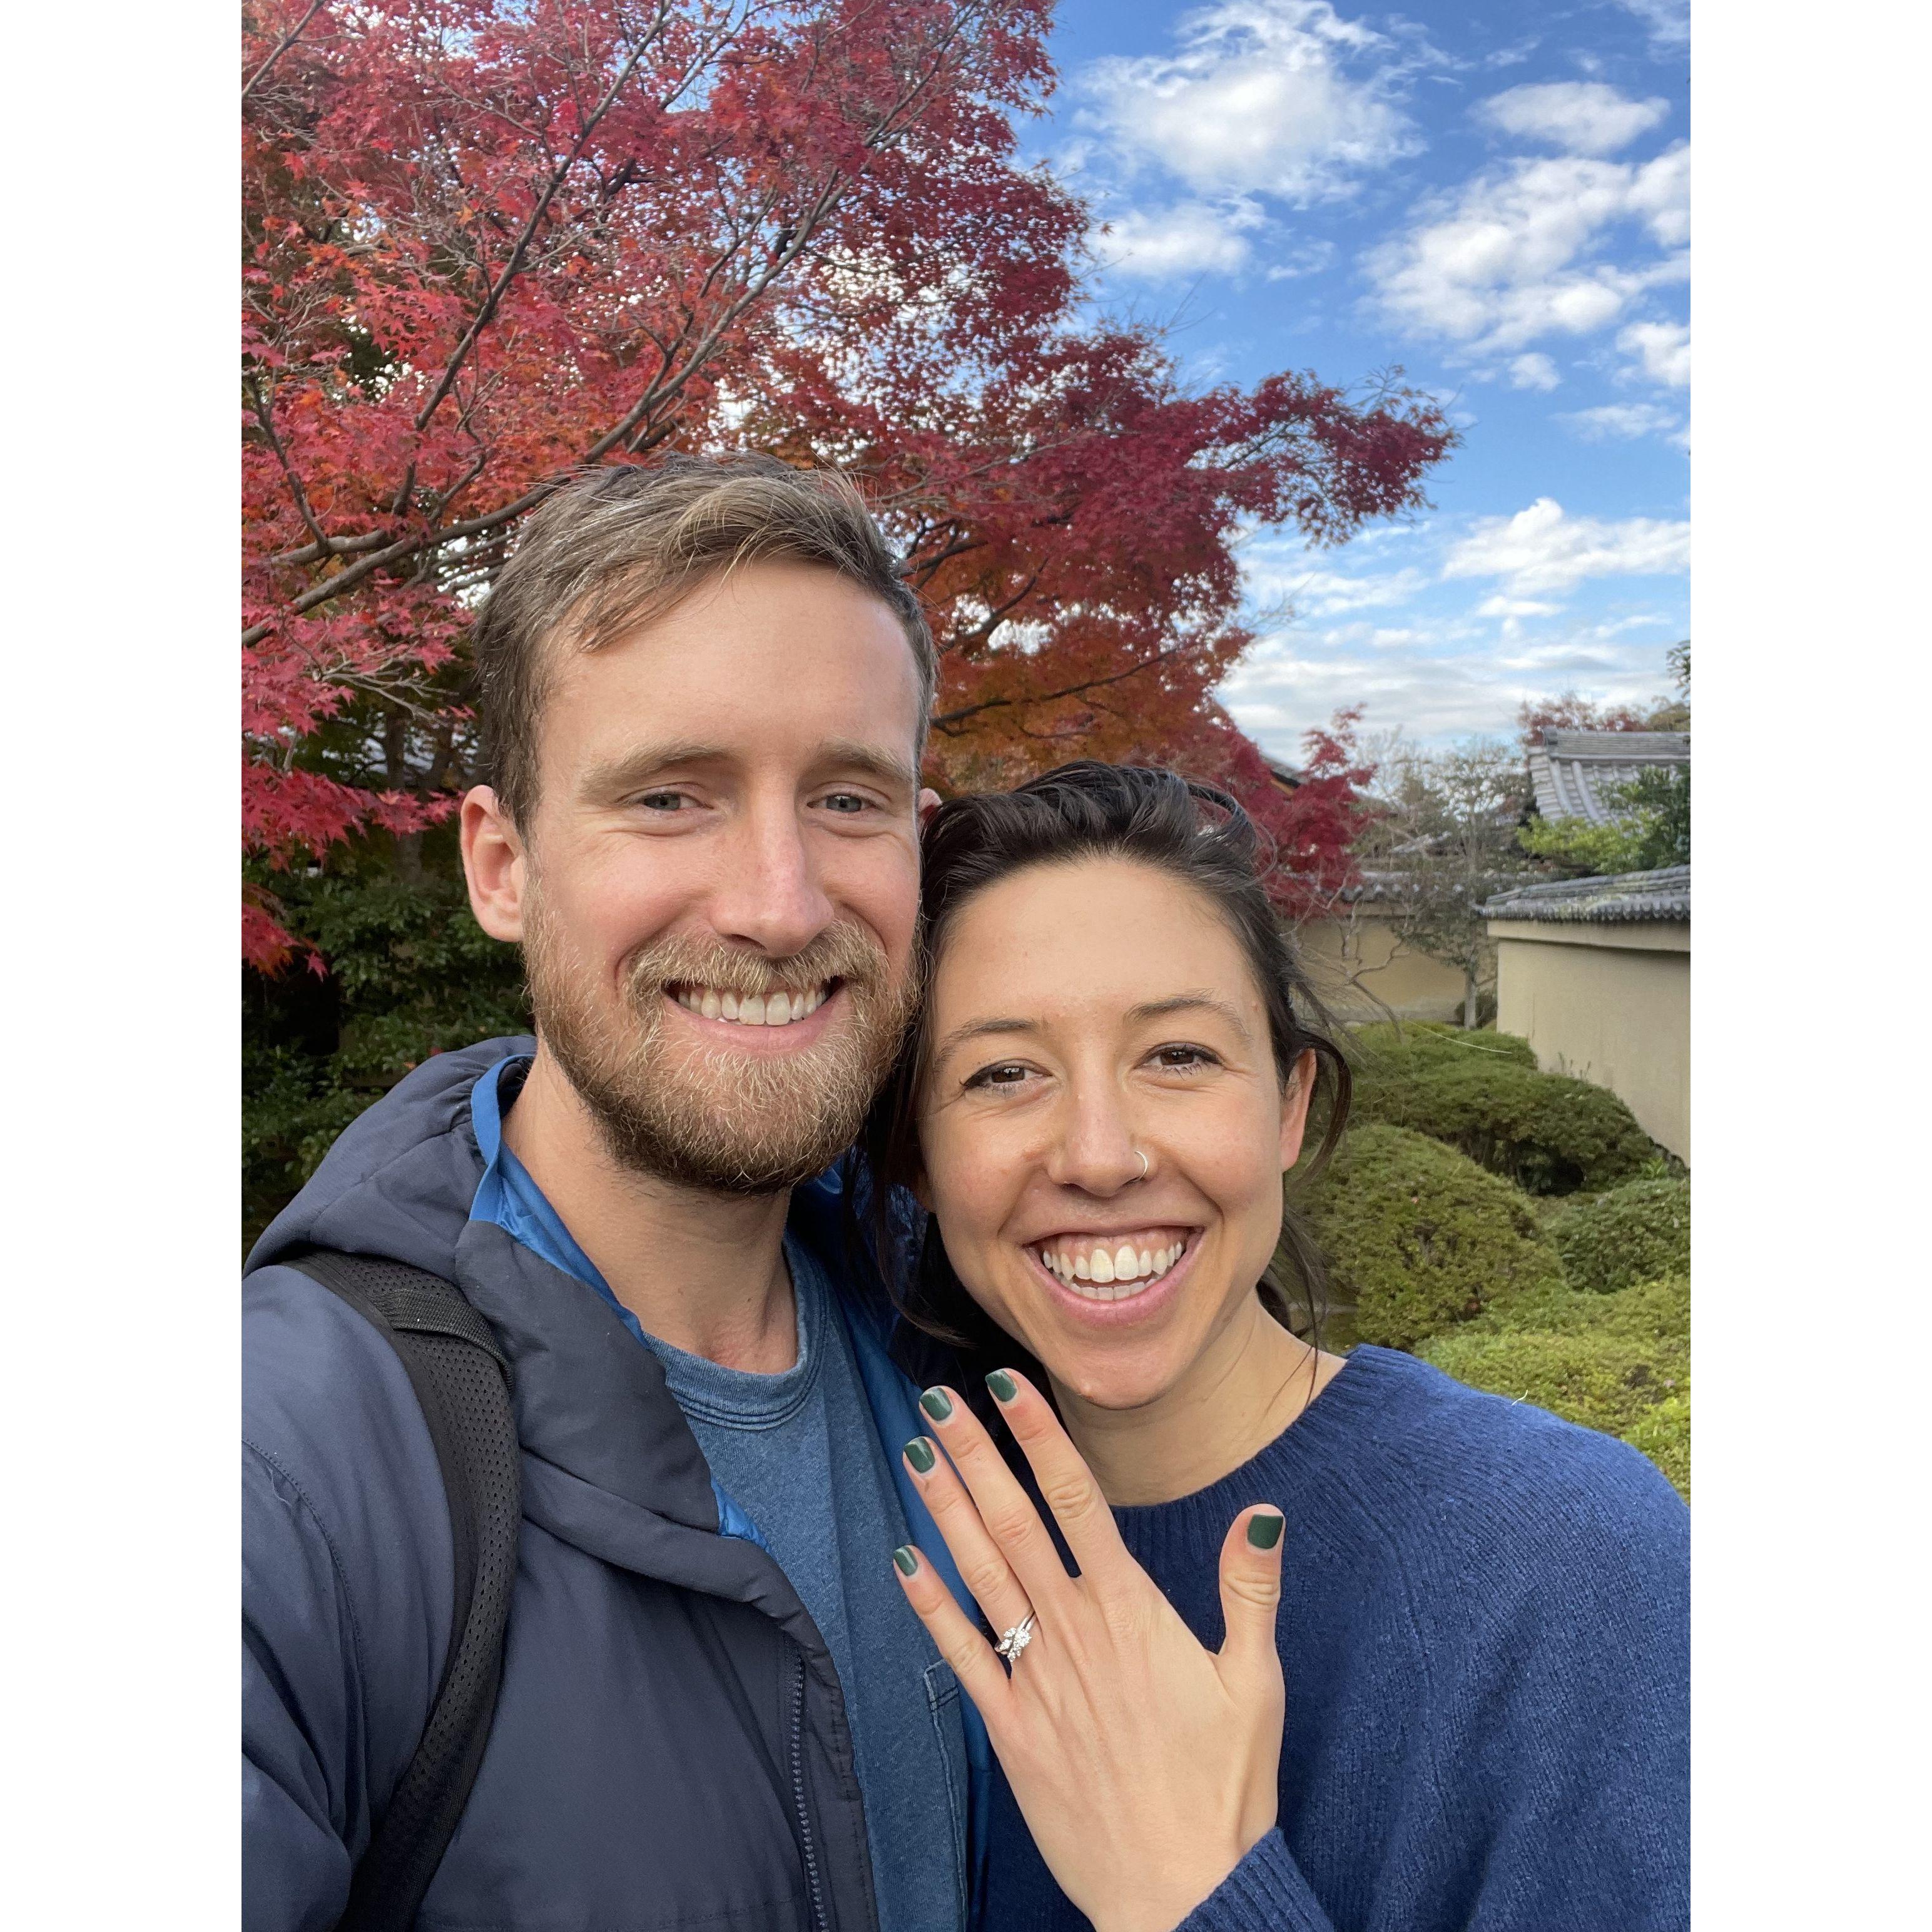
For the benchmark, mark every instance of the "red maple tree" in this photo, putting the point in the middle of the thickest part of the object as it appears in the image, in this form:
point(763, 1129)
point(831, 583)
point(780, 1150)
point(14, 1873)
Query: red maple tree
point(487, 243)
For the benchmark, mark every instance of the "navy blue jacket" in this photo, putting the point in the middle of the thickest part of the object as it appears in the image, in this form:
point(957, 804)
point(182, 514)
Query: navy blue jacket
point(671, 1747)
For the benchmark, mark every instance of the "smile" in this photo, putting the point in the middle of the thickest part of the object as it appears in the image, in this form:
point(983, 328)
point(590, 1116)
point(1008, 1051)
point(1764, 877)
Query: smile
point(777, 1006)
point(1112, 1266)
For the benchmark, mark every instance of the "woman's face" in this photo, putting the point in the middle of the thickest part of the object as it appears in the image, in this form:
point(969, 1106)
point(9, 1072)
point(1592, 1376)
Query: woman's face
point(1081, 1016)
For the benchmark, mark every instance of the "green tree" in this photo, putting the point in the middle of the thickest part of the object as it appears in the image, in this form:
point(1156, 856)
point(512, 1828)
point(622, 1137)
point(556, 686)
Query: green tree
point(1652, 828)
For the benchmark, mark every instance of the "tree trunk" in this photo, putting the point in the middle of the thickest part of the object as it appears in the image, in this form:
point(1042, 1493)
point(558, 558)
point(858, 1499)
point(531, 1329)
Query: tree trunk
point(1469, 997)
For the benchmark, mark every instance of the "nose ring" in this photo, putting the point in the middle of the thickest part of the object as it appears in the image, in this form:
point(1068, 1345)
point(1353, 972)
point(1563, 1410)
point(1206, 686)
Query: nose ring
point(1147, 1166)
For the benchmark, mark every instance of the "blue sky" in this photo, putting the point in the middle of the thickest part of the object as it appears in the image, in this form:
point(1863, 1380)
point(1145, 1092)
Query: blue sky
point(1499, 204)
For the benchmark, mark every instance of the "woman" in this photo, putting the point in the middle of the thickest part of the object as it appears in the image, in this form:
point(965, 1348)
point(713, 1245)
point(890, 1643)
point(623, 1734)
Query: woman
point(1442, 1684)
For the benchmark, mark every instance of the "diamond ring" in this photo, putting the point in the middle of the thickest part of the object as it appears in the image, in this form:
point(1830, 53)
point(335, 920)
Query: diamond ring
point(1016, 1640)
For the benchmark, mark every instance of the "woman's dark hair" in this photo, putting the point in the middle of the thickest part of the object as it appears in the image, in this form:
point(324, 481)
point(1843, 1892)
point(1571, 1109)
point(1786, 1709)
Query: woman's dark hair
point(1196, 834)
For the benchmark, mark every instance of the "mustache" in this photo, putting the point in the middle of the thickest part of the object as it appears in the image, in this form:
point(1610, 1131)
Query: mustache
point(843, 952)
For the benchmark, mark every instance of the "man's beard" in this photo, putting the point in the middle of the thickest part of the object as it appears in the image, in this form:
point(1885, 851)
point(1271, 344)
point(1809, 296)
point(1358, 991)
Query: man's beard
point(705, 1116)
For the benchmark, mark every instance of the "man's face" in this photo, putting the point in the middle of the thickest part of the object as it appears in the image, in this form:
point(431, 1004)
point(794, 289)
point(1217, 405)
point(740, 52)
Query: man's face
point(725, 831)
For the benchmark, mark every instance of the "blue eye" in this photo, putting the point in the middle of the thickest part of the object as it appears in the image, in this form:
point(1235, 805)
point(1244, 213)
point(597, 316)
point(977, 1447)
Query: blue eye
point(663, 801)
point(847, 804)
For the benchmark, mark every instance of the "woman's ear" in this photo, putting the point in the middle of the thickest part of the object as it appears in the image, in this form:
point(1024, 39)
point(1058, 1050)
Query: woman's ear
point(1296, 1093)
point(921, 1188)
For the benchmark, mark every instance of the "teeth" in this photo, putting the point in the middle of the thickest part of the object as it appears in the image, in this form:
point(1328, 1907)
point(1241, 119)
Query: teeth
point(1112, 1274)
point(777, 1009)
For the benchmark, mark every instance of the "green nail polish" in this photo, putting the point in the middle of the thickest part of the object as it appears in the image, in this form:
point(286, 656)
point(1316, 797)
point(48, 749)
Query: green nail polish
point(918, 1453)
point(1264, 1531)
point(905, 1559)
point(937, 1404)
point(1002, 1385)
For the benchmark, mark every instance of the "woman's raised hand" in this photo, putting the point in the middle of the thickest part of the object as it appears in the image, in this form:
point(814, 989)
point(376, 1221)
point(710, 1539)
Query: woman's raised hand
point(1145, 1765)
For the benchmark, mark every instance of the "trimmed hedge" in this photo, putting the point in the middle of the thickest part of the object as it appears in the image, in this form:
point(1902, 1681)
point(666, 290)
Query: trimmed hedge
point(1664, 1436)
point(1619, 1362)
point(1635, 1233)
point(1418, 1239)
point(1549, 1134)
point(1433, 1043)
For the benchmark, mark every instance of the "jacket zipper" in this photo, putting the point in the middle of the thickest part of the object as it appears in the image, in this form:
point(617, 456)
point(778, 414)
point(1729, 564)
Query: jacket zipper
point(810, 1853)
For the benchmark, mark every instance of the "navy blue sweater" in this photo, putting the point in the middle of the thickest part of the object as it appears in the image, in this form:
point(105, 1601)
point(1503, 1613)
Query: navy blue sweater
point(1484, 1628)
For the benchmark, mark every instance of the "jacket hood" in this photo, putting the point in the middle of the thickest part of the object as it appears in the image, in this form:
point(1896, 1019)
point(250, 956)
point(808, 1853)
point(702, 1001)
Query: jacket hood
point(400, 1179)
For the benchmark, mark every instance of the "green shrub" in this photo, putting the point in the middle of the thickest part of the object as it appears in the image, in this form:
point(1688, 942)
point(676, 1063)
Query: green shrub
point(1604, 1381)
point(1633, 1234)
point(1417, 1238)
point(1664, 1436)
point(1433, 1043)
point(1618, 1362)
point(1549, 1134)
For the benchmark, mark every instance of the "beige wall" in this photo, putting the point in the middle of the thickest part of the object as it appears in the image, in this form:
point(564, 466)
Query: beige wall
point(1362, 971)
point(1608, 1003)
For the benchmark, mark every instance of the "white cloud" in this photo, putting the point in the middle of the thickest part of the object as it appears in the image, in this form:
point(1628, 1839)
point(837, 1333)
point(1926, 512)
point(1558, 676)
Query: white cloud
point(1533, 370)
point(1622, 420)
point(1541, 549)
point(1515, 607)
point(1280, 97)
point(1662, 348)
point(1328, 593)
point(1191, 238)
point(1581, 117)
point(1516, 254)
point(1302, 258)
point(1437, 681)
point(1668, 21)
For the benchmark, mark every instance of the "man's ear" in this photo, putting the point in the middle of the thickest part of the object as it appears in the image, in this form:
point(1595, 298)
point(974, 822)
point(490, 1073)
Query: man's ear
point(494, 865)
point(1294, 1099)
point(929, 803)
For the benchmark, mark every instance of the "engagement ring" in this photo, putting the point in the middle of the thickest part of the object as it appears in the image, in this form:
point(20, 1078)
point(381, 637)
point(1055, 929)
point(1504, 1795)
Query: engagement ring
point(1016, 1640)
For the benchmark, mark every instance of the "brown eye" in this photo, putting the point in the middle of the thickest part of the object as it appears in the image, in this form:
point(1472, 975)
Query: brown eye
point(1181, 1058)
point(1007, 1073)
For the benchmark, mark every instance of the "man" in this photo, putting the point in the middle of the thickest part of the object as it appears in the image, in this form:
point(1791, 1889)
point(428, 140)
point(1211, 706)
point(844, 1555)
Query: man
point(704, 692)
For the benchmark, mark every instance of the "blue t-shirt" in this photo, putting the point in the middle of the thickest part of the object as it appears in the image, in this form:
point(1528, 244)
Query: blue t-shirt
point(798, 1468)
point(1484, 1629)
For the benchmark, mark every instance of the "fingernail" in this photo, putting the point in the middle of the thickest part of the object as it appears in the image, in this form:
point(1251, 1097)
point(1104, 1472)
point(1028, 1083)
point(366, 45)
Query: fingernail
point(1264, 1531)
point(937, 1404)
point(918, 1453)
point(904, 1557)
point(1002, 1385)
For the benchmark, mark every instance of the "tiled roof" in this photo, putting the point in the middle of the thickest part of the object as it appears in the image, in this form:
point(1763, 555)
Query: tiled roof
point(1621, 898)
point(1569, 770)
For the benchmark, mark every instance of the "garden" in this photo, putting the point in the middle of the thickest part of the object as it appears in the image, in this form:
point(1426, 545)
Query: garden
point(1516, 1228)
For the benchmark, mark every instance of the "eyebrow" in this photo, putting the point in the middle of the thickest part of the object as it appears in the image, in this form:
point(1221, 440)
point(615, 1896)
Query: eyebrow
point(1149, 1009)
point(1195, 1002)
point(976, 1030)
point(614, 776)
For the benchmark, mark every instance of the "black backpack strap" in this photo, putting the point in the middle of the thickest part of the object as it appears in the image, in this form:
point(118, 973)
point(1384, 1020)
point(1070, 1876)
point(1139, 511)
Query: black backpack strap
point(463, 1383)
